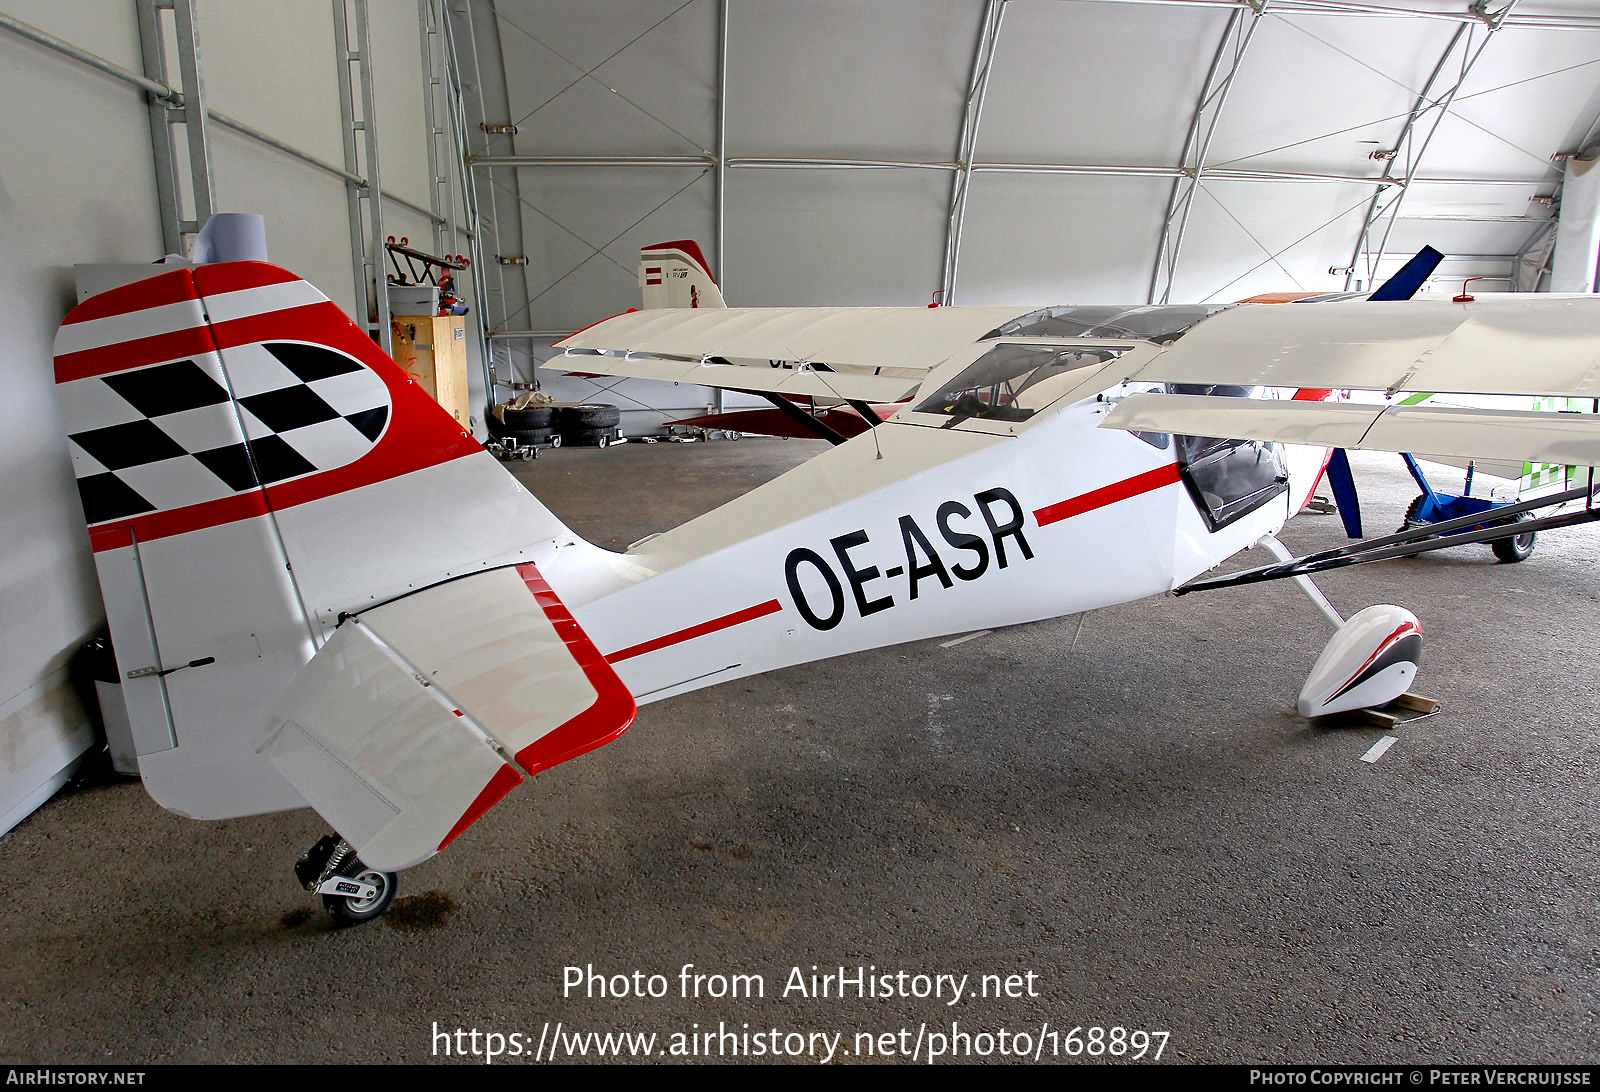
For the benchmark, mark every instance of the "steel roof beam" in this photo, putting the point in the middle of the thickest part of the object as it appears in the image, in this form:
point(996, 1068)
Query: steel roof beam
point(1197, 145)
point(972, 114)
point(1356, 9)
point(1091, 169)
point(1431, 108)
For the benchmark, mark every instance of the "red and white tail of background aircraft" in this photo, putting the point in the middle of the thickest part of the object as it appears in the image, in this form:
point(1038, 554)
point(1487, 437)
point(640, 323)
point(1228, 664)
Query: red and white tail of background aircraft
point(323, 592)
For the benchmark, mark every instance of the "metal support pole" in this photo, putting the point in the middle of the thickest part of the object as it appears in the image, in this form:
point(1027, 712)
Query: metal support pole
point(722, 145)
point(721, 177)
point(354, 183)
point(494, 296)
point(173, 99)
point(194, 111)
point(456, 99)
point(366, 234)
point(1428, 103)
point(1207, 113)
point(369, 133)
point(972, 114)
point(441, 198)
point(154, 60)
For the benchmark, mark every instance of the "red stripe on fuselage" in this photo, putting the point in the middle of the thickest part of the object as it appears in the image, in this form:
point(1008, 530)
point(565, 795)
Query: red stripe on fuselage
point(727, 621)
point(1147, 482)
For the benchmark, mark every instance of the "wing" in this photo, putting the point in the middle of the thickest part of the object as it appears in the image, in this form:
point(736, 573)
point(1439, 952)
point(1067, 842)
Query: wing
point(1540, 346)
point(884, 352)
point(1545, 345)
point(1444, 431)
point(777, 377)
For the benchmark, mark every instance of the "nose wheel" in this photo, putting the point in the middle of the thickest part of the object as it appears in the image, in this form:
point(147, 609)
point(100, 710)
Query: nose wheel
point(351, 892)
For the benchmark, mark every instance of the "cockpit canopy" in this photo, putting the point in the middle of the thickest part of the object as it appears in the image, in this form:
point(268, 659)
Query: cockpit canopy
point(1156, 323)
point(1012, 382)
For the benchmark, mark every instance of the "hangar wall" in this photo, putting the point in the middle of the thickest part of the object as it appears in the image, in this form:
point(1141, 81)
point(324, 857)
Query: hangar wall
point(77, 186)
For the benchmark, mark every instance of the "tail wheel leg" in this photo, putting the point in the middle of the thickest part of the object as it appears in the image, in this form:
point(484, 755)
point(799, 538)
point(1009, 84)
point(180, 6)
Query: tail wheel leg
point(351, 892)
point(371, 893)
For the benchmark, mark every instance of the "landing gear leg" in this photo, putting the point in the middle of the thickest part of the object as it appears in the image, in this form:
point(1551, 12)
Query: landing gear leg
point(1370, 661)
point(1304, 583)
point(351, 892)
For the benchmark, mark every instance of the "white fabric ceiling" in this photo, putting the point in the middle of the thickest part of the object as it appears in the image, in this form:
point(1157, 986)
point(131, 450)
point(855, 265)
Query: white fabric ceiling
point(1108, 86)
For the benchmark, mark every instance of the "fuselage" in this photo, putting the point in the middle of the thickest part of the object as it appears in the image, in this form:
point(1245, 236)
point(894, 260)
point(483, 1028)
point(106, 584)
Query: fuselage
point(912, 531)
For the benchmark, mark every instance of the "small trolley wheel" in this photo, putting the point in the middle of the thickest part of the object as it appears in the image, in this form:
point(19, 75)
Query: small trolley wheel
point(528, 454)
point(349, 911)
point(1517, 548)
point(602, 440)
point(1411, 513)
point(555, 439)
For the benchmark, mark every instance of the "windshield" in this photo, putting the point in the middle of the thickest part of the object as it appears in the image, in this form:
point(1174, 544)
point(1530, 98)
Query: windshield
point(1012, 382)
point(1159, 324)
point(1229, 478)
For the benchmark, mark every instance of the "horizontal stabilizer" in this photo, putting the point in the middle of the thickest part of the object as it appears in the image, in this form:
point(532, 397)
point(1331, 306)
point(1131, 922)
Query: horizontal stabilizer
point(411, 721)
point(915, 338)
point(746, 377)
point(1515, 435)
point(1545, 346)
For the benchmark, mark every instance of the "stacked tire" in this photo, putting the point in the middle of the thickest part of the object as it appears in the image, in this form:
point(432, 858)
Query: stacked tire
point(589, 424)
point(531, 427)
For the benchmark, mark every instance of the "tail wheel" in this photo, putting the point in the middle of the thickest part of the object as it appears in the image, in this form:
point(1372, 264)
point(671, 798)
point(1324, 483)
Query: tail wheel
point(1515, 549)
point(345, 910)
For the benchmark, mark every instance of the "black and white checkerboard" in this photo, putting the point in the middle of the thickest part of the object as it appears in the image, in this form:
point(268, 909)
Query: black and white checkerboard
point(164, 437)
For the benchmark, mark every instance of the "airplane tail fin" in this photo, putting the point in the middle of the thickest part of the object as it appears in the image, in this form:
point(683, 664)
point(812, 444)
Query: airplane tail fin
point(676, 274)
point(1410, 278)
point(256, 476)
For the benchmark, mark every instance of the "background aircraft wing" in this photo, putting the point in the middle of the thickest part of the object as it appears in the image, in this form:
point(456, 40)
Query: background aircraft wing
point(911, 338)
point(774, 378)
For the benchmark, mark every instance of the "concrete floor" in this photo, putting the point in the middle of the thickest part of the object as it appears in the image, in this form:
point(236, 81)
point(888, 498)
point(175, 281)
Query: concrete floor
point(1140, 821)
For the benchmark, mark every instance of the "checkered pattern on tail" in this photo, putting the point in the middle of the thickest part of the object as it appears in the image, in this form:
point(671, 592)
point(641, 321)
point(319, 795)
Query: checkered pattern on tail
point(167, 436)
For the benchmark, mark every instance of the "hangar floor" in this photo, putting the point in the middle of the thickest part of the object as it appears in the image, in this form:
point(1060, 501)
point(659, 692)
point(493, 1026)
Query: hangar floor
point(1141, 822)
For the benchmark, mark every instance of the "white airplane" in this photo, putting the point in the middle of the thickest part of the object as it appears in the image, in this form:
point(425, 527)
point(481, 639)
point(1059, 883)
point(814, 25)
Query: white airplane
point(322, 592)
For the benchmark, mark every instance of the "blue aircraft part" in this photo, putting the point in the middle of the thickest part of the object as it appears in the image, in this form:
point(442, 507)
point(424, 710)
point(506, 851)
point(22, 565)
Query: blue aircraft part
point(1343, 484)
point(1405, 284)
point(1436, 507)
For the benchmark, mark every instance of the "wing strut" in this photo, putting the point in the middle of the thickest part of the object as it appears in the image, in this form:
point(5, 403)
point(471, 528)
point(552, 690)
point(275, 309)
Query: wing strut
point(821, 428)
point(1435, 536)
point(868, 414)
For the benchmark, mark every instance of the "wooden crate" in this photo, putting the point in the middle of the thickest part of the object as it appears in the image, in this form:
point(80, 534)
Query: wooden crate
point(433, 351)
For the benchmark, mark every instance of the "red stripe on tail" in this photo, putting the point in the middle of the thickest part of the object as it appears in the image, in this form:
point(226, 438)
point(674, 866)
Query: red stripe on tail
point(613, 709)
